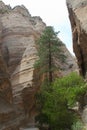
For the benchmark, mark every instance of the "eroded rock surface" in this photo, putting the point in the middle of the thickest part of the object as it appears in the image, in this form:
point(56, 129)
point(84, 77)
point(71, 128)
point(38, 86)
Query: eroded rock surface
point(78, 18)
point(7, 112)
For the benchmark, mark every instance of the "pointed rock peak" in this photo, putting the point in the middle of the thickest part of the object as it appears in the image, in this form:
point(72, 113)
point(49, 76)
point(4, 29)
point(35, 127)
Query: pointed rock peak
point(2, 4)
point(23, 10)
point(4, 8)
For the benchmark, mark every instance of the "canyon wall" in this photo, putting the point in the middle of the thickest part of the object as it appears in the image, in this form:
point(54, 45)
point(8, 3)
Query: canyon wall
point(19, 80)
point(78, 18)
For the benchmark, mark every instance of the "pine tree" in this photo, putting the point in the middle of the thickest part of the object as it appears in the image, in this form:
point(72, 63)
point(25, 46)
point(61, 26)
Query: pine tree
point(49, 50)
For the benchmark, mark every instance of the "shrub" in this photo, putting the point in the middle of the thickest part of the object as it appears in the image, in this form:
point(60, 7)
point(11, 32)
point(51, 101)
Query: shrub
point(56, 100)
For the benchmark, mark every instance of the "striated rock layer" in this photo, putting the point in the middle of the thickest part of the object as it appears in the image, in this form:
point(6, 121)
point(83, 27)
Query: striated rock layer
point(19, 80)
point(7, 112)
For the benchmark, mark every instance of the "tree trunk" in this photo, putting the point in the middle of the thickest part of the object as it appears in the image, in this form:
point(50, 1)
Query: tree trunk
point(50, 65)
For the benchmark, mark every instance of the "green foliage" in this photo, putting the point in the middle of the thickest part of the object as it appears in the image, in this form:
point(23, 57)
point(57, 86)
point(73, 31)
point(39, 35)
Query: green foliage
point(49, 50)
point(78, 126)
point(54, 102)
point(71, 87)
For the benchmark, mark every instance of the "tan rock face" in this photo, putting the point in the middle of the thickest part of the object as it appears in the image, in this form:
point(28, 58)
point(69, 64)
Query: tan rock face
point(7, 112)
point(77, 12)
point(78, 18)
point(19, 32)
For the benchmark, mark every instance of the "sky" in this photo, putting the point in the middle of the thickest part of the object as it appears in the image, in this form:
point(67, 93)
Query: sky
point(53, 13)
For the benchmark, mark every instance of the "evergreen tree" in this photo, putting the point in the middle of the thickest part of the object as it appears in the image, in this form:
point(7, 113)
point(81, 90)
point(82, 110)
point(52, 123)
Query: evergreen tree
point(49, 51)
